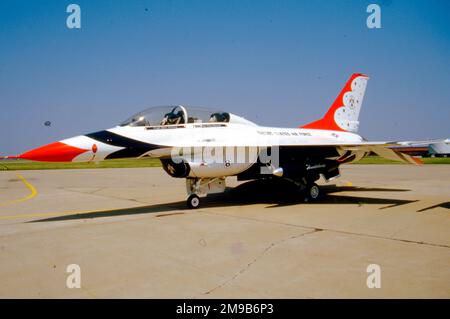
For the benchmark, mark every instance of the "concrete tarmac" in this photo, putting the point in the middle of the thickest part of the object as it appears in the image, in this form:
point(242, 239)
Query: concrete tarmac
point(131, 235)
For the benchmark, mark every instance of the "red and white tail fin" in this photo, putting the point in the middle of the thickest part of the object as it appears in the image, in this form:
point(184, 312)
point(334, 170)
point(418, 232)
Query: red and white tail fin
point(344, 112)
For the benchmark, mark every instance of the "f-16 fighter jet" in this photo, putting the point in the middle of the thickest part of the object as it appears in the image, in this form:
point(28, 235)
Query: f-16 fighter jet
point(205, 146)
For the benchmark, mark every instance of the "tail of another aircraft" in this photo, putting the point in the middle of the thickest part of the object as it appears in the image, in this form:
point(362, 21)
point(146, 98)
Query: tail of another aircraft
point(344, 112)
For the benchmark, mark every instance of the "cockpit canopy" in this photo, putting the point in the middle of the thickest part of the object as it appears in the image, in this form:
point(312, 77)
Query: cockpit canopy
point(176, 115)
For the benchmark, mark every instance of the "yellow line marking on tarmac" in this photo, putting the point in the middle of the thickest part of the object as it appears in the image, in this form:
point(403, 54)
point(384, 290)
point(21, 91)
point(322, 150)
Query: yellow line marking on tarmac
point(33, 192)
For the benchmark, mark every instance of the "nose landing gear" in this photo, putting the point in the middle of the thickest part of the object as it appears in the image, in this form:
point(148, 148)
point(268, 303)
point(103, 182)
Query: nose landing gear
point(202, 187)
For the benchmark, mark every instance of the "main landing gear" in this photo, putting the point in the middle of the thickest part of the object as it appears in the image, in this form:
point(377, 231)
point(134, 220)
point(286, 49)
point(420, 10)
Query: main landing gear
point(308, 190)
point(193, 201)
point(312, 192)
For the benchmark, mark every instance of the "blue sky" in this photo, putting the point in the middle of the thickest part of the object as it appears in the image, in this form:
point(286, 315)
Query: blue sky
point(277, 63)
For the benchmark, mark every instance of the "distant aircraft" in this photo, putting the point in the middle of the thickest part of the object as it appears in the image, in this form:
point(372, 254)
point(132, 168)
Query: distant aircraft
point(205, 146)
point(434, 147)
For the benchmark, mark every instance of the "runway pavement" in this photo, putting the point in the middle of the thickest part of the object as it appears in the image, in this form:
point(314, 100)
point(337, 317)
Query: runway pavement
point(131, 235)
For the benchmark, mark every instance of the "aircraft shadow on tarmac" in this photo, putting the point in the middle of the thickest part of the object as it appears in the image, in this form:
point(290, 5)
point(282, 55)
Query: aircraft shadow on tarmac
point(442, 205)
point(276, 194)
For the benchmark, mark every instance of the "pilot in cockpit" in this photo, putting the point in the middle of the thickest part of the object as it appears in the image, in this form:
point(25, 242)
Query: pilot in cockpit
point(173, 118)
point(219, 117)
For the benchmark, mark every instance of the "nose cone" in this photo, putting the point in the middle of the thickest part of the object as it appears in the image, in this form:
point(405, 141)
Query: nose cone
point(54, 152)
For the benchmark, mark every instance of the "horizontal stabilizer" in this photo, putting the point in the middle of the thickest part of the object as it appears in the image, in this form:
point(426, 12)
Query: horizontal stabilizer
point(382, 149)
point(394, 155)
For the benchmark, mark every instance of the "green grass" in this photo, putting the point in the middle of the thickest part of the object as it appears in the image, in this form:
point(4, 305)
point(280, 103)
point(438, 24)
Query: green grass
point(380, 160)
point(15, 165)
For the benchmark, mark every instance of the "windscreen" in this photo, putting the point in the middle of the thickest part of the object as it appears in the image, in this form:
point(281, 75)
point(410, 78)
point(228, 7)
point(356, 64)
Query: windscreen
point(176, 115)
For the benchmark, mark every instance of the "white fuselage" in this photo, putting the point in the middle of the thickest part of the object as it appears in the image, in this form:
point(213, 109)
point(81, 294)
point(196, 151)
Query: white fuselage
point(207, 136)
point(234, 135)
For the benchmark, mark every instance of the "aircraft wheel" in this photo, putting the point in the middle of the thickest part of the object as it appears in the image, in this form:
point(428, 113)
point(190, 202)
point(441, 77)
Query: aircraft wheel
point(193, 201)
point(312, 192)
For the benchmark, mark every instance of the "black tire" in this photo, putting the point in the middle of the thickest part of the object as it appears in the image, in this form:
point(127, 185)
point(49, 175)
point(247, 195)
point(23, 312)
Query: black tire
point(193, 201)
point(312, 192)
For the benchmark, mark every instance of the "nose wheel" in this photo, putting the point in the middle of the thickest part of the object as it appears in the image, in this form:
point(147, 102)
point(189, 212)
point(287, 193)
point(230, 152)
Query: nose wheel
point(193, 201)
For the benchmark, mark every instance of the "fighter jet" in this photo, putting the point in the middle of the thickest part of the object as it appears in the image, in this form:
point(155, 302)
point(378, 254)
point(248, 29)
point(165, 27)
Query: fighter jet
point(206, 146)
